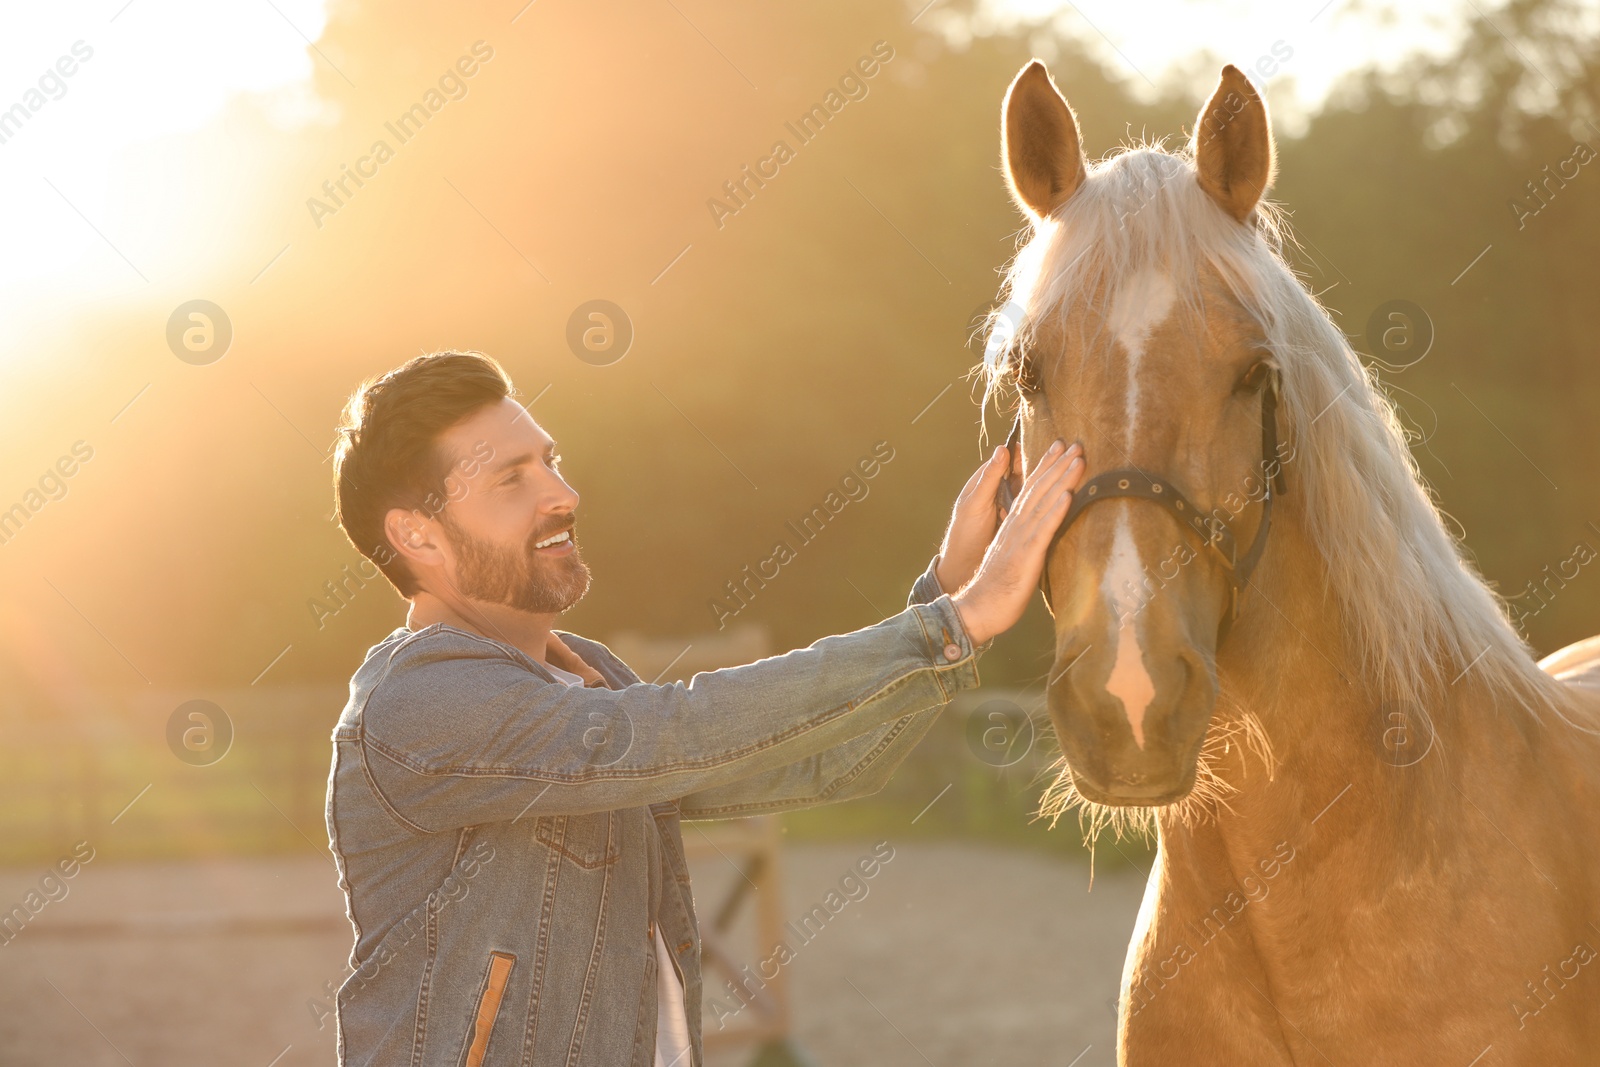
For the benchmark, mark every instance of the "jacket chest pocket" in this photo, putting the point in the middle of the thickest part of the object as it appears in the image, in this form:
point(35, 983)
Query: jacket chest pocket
point(590, 841)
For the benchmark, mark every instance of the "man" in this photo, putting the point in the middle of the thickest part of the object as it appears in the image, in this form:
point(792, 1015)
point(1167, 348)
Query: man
point(505, 797)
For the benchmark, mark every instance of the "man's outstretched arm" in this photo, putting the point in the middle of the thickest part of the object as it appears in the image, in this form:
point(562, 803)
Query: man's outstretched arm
point(859, 767)
point(863, 765)
point(459, 731)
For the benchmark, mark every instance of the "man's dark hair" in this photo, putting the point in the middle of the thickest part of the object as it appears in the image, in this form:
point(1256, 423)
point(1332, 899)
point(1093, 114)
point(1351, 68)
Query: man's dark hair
point(387, 455)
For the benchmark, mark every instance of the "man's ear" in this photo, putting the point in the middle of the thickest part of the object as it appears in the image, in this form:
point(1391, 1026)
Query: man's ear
point(413, 537)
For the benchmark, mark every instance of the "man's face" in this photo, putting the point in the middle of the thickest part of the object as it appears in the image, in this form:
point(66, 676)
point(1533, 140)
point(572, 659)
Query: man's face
point(506, 499)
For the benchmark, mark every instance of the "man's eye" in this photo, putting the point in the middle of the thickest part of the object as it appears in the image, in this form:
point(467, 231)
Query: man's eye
point(514, 476)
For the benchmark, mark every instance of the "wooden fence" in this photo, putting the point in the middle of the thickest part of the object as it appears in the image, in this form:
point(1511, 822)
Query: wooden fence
point(138, 775)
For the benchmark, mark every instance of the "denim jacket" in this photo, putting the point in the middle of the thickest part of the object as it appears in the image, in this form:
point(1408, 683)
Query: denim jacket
point(507, 844)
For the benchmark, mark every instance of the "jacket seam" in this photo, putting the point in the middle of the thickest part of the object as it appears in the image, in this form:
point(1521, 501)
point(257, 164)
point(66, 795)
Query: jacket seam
point(357, 717)
point(383, 801)
point(420, 767)
point(424, 990)
point(340, 864)
point(345, 885)
point(541, 954)
point(834, 787)
point(928, 642)
point(609, 854)
point(580, 1025)
point(638, 1058)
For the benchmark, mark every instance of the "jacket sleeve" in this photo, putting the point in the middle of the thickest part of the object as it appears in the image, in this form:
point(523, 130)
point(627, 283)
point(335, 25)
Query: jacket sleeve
point(856, 768)
point(859, 767)
point(926, 589)
point(459, 732)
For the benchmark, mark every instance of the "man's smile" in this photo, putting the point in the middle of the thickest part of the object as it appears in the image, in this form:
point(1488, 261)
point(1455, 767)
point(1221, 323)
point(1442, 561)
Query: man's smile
point(556, 544)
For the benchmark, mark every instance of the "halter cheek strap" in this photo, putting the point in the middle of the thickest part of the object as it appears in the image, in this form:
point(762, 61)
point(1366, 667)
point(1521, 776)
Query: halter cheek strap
point(1130, 482)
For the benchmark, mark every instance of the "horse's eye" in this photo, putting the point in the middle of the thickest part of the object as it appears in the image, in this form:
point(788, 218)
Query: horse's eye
point(1255, 378)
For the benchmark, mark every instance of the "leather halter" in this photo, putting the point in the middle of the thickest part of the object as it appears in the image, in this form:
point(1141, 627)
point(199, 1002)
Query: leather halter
point(1133, 483)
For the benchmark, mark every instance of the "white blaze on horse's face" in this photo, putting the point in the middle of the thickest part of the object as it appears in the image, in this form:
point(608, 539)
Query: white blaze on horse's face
point(1143, 303)
point(1143, 370)
point(1129, 681)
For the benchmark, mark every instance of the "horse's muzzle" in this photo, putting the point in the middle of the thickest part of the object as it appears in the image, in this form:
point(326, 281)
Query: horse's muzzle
point(1142, 755)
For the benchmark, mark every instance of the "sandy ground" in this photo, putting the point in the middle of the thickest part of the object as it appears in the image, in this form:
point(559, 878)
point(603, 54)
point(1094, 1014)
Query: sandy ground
point(959, 955)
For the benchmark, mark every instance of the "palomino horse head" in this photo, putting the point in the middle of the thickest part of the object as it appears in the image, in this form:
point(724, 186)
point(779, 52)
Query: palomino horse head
point(1132, 336)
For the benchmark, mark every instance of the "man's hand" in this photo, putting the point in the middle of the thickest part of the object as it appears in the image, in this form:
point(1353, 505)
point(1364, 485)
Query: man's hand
point(1012, 557)
point(973, 523)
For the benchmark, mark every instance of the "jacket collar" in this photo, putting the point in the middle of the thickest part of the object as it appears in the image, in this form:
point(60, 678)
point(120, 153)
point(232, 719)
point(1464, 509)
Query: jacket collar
point(564, 657)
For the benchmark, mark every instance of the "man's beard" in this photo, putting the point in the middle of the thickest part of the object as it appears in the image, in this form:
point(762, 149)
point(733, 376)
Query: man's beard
point(517, 578)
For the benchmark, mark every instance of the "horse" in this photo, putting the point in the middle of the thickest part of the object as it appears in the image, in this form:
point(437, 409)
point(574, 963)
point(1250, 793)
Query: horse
point(1374, 811)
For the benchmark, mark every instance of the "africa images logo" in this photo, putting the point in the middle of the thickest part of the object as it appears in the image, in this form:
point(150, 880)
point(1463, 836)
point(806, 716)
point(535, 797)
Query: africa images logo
point(452, 85)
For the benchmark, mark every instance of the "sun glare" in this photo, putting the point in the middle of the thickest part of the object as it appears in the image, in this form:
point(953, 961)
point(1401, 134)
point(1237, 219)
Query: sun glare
point(88, 90)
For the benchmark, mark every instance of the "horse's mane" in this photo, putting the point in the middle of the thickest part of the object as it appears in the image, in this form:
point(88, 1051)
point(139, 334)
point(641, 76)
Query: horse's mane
point(1420, 617)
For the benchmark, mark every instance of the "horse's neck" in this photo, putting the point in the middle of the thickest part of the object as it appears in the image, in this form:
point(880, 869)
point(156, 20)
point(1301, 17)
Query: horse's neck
point(1362, 882)
point(1336, 787)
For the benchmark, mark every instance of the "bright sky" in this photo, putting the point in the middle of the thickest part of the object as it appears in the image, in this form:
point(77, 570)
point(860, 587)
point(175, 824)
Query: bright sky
point(79, 227)
point(1296, 49)
point(154, 69)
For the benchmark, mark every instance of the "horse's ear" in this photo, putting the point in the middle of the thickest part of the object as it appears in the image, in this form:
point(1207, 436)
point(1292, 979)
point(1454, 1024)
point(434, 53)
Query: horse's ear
point(1039, 143)
point(1233, 149)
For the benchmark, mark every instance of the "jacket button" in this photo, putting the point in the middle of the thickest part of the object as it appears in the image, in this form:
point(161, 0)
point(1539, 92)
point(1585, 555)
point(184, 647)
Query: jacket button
point(952, 652)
